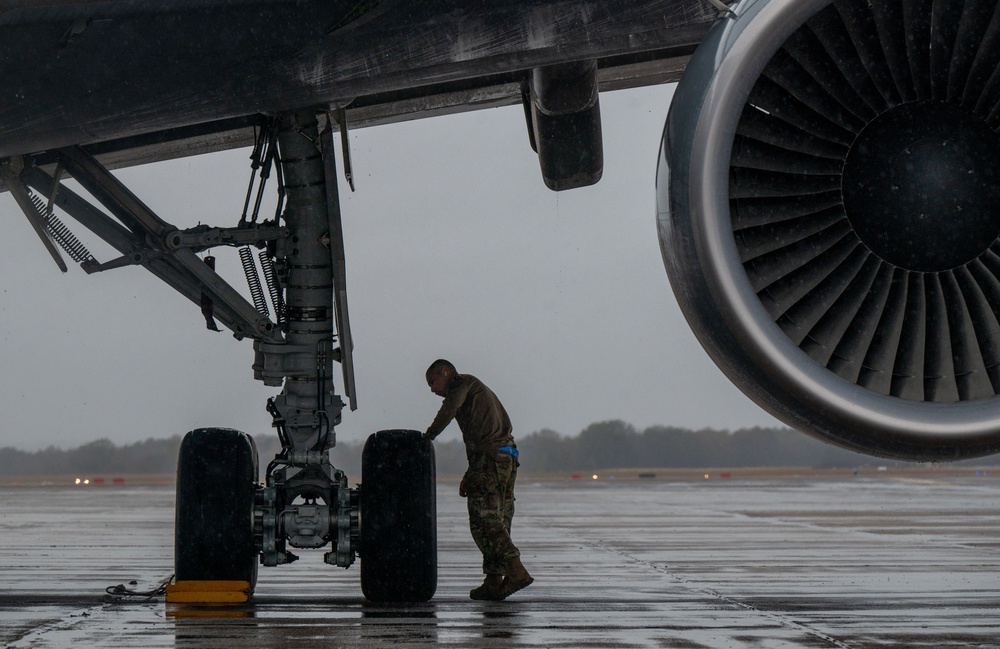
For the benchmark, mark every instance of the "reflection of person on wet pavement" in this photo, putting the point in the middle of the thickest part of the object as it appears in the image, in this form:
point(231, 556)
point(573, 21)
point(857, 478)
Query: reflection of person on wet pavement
point(489, 481)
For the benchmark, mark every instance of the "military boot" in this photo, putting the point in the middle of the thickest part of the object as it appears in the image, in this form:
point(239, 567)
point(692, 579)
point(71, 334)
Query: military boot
point(517, 578)
point(491, 590)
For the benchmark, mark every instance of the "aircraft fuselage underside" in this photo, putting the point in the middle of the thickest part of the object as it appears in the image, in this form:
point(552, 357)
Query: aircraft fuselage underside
point(134, 83)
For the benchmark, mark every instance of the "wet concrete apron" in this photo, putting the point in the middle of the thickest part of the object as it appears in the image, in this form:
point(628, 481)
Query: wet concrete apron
point(882, 561)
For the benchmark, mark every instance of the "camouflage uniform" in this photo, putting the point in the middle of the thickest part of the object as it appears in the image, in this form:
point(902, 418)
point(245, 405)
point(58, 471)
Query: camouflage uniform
point(489, 482)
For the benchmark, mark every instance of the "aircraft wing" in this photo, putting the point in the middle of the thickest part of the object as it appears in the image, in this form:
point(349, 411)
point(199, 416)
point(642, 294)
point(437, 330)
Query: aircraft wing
point(136, 81)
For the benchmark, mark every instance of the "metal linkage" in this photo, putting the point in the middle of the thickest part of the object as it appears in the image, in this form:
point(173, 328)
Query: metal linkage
point(112, 193)
point(262, 159)
point(142, 237)
point(204, 237)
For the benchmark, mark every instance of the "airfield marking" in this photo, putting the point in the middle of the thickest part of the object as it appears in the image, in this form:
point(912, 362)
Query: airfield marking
point(932, 483)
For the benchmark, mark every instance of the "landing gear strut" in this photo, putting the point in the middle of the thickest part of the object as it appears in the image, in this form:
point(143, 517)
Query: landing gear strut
point(226, 520)
point(306, 502)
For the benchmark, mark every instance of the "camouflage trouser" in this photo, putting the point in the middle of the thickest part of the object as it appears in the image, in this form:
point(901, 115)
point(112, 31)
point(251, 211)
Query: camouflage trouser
point(489, 484)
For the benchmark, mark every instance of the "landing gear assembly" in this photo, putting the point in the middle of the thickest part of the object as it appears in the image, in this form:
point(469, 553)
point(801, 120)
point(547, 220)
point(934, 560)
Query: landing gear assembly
point(226, 522)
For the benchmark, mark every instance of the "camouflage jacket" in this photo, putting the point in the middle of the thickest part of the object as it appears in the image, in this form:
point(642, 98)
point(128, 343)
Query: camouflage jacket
point(482, 418)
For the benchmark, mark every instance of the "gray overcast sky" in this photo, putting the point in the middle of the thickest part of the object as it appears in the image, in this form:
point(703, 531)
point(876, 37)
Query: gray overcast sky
point(454, 249)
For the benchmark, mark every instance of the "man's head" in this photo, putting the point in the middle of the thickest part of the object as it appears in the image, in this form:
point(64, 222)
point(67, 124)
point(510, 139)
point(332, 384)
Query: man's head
point(438, 375)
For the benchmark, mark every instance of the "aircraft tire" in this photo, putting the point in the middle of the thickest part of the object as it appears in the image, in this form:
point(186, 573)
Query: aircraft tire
point(398, 518)
point(216, 484)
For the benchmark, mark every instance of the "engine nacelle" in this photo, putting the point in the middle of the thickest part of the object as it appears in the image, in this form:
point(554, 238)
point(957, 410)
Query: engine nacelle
point(828, 202)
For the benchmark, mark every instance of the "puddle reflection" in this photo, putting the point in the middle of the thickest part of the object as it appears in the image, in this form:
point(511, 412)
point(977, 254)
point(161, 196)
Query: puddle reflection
point(500, 624)
point(304, 625)
point(392, 623)
point(338, 625)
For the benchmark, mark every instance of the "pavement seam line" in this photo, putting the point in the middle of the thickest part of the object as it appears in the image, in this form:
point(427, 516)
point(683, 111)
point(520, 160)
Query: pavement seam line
point(780, 619)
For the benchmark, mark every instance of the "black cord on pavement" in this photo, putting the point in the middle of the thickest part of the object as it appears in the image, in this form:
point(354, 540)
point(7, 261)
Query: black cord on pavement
point(121, 593)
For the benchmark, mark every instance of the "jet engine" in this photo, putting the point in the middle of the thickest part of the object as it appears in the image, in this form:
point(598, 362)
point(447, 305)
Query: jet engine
point(828, 201)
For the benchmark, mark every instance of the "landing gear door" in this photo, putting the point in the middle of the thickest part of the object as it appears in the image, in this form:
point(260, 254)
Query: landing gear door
point(339, 266)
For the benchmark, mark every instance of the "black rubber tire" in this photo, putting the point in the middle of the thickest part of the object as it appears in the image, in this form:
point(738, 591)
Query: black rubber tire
point(398, 518)
point(216, 483)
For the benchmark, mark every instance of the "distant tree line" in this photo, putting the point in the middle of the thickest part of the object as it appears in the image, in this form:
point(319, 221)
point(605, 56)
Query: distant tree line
point(100, 457)
point(616, 444)
point(611, 444)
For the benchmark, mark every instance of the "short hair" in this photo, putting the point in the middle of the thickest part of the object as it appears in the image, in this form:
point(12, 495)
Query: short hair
point(440, 364)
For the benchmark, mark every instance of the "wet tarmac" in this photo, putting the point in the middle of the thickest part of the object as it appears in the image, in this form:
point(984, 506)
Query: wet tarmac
point(907, 560)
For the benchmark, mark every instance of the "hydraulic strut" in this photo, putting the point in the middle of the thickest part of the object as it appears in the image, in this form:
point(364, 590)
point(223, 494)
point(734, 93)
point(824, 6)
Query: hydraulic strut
point(306, 502)
point(308, 302)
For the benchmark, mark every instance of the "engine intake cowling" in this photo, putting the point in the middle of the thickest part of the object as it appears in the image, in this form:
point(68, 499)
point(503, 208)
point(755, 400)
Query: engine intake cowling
point(828, 204)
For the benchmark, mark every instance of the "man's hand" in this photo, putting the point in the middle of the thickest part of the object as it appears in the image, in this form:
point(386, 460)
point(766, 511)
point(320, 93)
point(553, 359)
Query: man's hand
point(461, 488)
